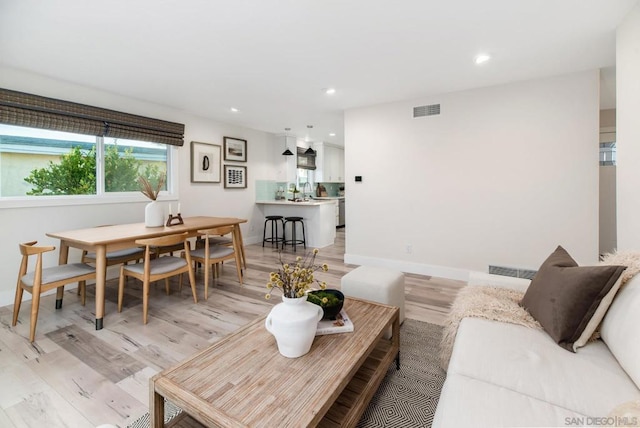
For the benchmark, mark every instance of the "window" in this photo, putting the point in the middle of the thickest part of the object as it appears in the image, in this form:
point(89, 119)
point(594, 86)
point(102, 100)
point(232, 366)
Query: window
point(305, 181)
point(125, 160)
point(608, 154)
point(37, 162)
point(55, 147)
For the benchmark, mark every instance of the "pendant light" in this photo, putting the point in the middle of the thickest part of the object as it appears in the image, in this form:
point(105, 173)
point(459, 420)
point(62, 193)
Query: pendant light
point(286, 152)
point(310, 151)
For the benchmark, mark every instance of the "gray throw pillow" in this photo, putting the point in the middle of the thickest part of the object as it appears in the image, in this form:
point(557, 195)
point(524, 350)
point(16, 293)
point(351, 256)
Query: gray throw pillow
point(563, 297)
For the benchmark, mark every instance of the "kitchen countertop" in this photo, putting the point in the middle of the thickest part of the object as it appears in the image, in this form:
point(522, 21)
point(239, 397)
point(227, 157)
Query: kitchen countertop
point(333, 198)
point(309, 203)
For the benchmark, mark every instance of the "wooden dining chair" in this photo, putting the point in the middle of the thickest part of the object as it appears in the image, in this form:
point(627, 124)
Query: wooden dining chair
point(212, 254)
point(168, 249)
point(112, 258)
point(42, 279)
point(226, 240)
point(153, 269)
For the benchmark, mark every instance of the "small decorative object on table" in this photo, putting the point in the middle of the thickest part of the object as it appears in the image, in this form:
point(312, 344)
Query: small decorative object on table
point(153, 213)
point(330, 300)
point(173, 220)
point(294, 321)
point(341, 324)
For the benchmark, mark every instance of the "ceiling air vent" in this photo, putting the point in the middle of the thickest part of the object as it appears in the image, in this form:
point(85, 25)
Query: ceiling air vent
point(430, 110)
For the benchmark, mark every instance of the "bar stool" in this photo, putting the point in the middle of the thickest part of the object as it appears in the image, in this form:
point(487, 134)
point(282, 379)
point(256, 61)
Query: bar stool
point(293, 241)
point(273, 220)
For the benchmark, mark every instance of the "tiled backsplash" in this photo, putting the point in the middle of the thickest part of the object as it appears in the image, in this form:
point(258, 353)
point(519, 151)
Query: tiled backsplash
point(332, 188)
point(266, 189)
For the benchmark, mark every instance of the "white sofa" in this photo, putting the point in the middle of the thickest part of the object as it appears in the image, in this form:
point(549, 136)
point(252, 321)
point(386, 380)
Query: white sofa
point(508, 375)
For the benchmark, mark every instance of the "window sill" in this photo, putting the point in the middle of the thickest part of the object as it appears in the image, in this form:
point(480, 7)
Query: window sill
point(57, 201)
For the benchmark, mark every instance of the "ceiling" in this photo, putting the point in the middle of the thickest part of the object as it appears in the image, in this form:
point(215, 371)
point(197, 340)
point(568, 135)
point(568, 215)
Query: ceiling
point(273, 59)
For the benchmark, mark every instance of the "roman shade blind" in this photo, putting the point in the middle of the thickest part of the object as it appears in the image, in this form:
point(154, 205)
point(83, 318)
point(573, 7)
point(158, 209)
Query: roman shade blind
point(22, 109)
point(305, 160)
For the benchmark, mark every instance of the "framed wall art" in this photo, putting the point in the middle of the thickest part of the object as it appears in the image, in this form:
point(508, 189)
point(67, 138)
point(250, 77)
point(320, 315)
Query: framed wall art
point(235, 149)
point(205, 163)
point(235, 177)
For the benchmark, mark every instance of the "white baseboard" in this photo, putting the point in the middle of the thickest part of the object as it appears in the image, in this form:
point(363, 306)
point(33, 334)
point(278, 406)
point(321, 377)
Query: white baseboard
point(8, 297)
point(255, 239)
point(409, 267)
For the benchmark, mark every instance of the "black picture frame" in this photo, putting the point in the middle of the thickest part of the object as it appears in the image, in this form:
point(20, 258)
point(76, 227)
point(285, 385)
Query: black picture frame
point(235, 149)
point(205, 162)
point(235, 177)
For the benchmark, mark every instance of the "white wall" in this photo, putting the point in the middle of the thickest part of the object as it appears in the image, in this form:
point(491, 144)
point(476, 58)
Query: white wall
point(25, 224)
point(628, 130)
point(502, 176)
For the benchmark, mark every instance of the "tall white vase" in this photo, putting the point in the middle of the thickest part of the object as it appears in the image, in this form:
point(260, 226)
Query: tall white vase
point(153, 215)
point(293, 323)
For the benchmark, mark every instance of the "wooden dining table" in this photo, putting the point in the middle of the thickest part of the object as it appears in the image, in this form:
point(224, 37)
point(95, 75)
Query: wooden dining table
point(104, 239)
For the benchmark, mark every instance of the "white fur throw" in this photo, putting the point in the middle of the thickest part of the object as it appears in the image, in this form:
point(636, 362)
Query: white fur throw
point(624, 258)
point(493, 303)
point(503, 304)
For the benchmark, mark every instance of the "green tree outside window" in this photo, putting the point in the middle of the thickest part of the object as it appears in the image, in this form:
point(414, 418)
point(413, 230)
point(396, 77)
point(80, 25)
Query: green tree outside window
point(76, 173)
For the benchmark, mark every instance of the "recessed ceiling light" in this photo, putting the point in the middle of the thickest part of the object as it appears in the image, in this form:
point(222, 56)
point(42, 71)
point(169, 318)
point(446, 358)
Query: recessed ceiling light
point(482, 58)
point(330, 91)
point(333, 134)
point(233, 110)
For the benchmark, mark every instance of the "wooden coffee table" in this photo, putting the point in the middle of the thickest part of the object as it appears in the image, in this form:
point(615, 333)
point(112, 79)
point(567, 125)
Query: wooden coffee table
point(243, 381)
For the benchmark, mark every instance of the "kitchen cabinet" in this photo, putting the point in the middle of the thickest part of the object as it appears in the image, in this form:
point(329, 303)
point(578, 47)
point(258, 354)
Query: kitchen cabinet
point(329, 163)
point(334, 164)
point(339, 207)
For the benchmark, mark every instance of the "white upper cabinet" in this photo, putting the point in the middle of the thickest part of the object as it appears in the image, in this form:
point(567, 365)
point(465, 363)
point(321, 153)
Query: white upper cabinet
point(329, 163)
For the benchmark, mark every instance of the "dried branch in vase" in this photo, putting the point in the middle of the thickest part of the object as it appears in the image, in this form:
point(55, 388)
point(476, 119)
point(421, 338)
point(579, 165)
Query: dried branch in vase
point(147, 188)
point(295, 279)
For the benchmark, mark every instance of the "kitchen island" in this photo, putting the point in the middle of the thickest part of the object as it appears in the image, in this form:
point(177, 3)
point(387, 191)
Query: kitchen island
point(318, 216)
point(340, 214)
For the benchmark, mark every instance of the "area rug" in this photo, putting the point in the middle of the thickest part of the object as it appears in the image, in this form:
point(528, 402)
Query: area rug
point(170, 412)
point(407, 397)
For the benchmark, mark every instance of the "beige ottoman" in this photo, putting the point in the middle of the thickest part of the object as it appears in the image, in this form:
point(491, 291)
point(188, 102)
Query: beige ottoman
point(376, 284)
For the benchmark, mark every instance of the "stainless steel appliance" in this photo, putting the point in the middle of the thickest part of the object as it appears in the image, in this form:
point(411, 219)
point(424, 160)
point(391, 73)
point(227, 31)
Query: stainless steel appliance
point(341, 213)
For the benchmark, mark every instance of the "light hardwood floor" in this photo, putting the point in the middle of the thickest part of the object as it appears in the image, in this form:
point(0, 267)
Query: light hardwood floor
point(75, 376)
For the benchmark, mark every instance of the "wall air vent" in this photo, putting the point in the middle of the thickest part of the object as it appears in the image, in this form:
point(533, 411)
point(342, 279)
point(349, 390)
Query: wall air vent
point(430, 110)
point(509, 271)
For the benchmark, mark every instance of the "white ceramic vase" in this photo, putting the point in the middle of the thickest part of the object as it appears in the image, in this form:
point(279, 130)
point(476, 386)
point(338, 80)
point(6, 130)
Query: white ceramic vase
point(293, 323)
point(153, 215)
